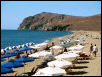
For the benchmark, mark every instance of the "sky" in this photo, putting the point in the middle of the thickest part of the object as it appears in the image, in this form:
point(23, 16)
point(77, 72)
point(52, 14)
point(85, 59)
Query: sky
point(13, 12)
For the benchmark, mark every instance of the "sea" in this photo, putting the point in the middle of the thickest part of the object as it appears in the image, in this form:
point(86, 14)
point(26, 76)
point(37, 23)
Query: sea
point(18, 37)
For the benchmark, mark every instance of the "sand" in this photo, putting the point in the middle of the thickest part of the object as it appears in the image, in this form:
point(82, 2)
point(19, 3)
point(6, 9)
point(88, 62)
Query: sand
point(84, 68)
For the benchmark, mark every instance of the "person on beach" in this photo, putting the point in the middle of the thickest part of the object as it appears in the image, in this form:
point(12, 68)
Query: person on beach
point(91, 49)
point(47, 47)
point(17, 56)
point(53, 44)
point(95, 50)
point(35, 50)
point(65, 50)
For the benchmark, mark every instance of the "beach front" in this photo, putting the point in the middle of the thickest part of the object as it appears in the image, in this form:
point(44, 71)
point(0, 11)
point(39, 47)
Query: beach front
point(91, 67)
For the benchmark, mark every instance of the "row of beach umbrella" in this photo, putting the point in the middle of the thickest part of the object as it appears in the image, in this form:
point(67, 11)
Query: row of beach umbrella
point(12, 63)
point(17, 47)
point(57, 67)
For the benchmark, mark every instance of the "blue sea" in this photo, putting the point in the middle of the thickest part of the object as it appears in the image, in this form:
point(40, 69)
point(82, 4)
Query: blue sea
point(17, 37)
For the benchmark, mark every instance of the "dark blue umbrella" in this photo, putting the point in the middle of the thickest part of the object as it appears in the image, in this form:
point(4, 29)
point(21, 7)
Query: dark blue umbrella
point(11, 64)
point(11, 54)
point(2, 59)
point(5, 70)
point(24, 59)
point(25, 48)
point(16, 52)
point(4, 56)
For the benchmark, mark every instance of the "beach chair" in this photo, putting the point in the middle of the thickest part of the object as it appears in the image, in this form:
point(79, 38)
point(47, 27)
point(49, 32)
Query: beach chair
point(83, 56)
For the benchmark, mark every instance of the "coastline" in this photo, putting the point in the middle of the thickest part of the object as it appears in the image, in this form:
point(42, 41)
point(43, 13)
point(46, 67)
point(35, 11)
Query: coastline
point(93, 66)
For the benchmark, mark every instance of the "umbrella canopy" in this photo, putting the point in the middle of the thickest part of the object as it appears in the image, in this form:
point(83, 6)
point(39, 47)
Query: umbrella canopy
point(59, 63)
point(40, 53)
point(56, 47)
point(25, 48)
point(24, 59)
point(35, 47)
point(11, 64)
point(49, 58)
point(69, 55)
point(51, 71)
point(15, 52)
point(2, 59)
point(11, 54)
point(4, 56)
point(69, 44)
point(46, 41)
point(2, 50)
point(77, 47)
point(5, 70)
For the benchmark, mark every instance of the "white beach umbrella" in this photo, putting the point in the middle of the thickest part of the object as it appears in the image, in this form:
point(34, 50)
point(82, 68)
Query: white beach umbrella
point(22, 45)
point(77, 47)
point(35, 55)
point(35, 47)
point(59, 63)
point(46, 41)
point(45, 53)
point(41, 44)
point(67, 56)
point(56, 47)
point(51, 71)
point(2, 50)
point(40, 54)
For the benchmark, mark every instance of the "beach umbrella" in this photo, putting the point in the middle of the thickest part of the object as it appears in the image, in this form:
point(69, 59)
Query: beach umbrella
point(22, 46)
point(44, 53)
point(59, 63)
point(25, 48)
point(4, 56)
point(2, 59)
point(77, 47)
point(40, 54)
point(35, 47)
point(64, 56)
point(6, 70)
point(35, 55)
point(10, 54)
point(14, 47)
point(49, 58)
point(46, 41)
point(56, 47)
point(69, 44)
point(24, 59)
point(51, 71)
point(11, 64)
point(8, 48)
point(16, 52)
point(2, 50)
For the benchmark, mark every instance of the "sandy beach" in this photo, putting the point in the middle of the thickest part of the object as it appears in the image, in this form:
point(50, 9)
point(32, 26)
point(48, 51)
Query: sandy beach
point(86, 68)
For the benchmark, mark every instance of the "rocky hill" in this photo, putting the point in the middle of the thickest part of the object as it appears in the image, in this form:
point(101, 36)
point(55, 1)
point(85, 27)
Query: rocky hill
point(60, 22)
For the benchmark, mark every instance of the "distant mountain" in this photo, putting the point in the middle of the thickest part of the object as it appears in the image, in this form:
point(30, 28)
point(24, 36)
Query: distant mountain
point(60, 22)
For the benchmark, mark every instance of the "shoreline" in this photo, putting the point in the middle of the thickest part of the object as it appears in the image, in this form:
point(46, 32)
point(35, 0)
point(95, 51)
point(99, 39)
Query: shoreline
point(36, 41)
point(93, 67)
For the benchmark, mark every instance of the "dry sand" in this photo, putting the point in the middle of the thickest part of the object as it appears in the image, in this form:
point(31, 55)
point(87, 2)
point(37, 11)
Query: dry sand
point(90, 68)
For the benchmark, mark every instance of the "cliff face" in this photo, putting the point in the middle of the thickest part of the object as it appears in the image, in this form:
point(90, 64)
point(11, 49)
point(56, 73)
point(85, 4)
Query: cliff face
point(60, 22)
